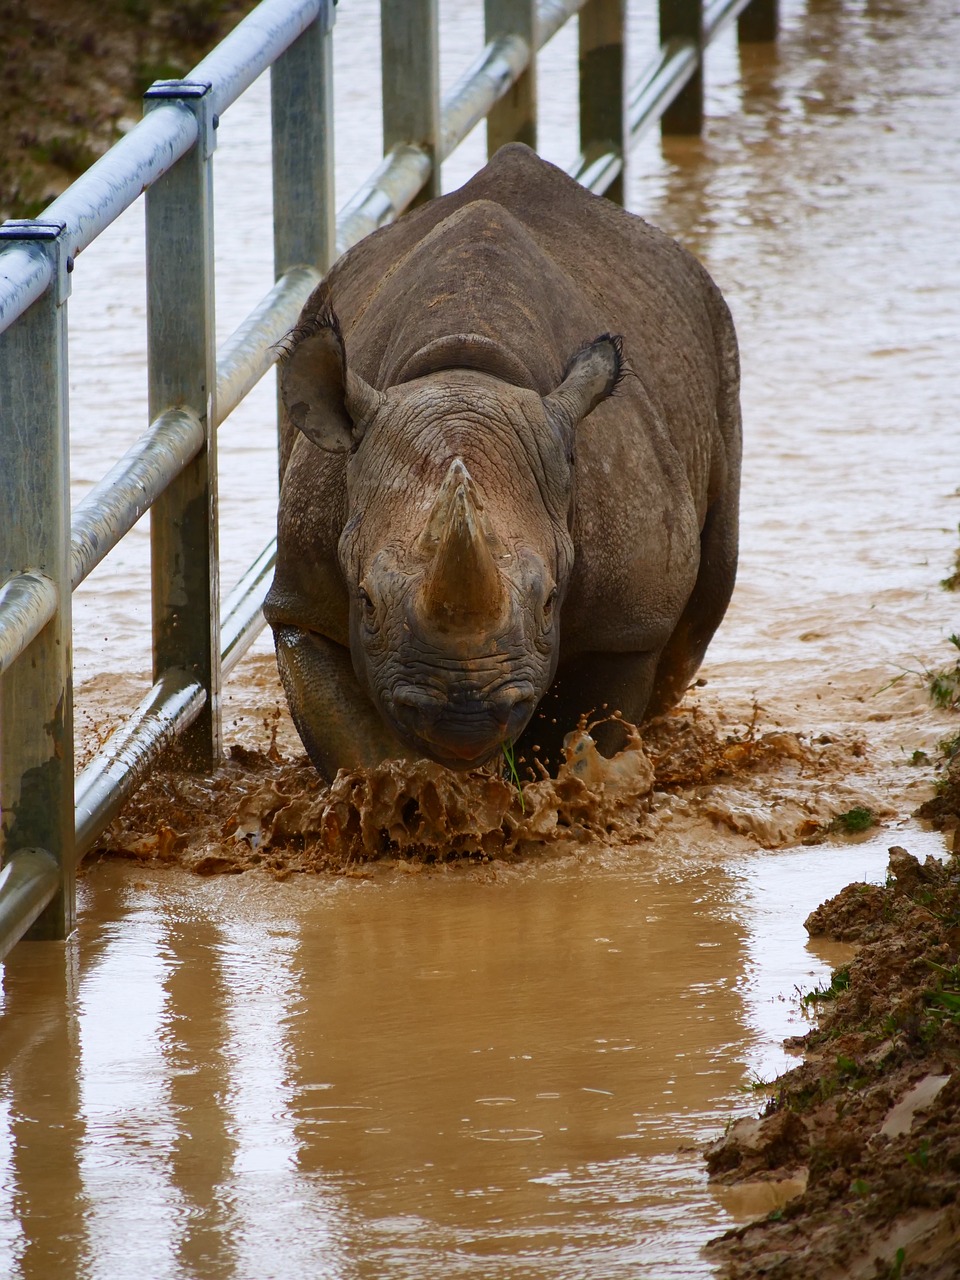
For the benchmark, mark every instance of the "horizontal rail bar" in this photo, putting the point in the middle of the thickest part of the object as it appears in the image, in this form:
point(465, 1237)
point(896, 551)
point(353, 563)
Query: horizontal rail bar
point(384, 196)
point(116, 503)
point(248, 353)
point(253, 45)
point(659, 84)
point(717, 13)
point(242, 617)
point(484, 82)
point(596, 173)
point(28, 601)
point(552, 14)
point(29, 880)
point(124, 760)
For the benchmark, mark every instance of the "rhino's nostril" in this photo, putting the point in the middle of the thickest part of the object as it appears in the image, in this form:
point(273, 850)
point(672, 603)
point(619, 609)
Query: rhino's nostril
point(416, 699)
point(511, 715)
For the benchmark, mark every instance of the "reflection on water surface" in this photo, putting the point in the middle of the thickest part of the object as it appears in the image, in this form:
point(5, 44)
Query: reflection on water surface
point(462, 1072)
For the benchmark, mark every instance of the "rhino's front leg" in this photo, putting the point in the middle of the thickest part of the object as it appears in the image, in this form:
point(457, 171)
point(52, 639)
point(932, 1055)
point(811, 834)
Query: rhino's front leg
point(595, 685)
point(337, 723)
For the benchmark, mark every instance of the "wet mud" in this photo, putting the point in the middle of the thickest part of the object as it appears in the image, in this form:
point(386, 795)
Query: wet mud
point(868, 1128)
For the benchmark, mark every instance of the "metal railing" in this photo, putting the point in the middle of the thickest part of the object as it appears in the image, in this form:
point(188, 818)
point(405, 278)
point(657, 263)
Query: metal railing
point(50, 818)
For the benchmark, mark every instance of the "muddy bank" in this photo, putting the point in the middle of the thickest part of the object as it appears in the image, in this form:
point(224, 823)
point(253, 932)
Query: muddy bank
point(862, 1140)
point(869, 1125)
point(72, 73)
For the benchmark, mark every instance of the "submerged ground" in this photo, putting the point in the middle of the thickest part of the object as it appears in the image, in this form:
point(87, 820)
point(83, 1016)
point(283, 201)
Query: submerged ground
point(821, 201)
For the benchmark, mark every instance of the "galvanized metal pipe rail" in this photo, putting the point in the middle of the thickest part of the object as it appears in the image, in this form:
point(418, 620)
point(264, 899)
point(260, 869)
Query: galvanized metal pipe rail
point(49, 819)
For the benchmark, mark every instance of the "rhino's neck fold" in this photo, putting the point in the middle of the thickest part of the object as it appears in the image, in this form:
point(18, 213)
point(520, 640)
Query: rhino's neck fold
point(462, 588)
point(466, 351)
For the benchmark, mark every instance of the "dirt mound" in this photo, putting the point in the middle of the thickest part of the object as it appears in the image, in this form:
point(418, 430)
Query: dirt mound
point(942, 810)
point(871, 1120)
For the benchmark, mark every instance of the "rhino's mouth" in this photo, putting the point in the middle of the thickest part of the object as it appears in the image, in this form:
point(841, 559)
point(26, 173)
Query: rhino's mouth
point(461, 731)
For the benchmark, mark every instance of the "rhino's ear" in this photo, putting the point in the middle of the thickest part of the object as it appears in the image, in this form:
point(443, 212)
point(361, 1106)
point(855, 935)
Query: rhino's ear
point(325, 400)
point(590, 376)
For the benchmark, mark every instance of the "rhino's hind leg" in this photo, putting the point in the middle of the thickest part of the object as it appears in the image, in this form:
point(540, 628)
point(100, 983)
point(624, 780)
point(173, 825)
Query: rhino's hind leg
point(595, 685)
point(683, 652)
point(337, 723)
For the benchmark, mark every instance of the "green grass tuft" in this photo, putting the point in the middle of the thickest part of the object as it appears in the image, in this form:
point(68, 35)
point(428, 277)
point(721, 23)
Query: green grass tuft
point(854, 820)
point(511, 763)
point(839, 981)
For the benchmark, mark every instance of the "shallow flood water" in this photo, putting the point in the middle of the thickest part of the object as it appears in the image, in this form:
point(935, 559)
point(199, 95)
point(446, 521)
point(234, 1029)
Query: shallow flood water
point(507, 1072)
point(511, 1070)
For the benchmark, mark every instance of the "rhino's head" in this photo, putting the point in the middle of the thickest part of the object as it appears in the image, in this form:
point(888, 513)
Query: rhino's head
point(456, 551)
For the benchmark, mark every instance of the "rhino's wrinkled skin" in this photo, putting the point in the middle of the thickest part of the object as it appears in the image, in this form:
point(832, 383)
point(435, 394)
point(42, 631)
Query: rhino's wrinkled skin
point(489, 523)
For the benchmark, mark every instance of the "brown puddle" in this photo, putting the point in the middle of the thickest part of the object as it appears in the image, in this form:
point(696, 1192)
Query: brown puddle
point(508, 1066)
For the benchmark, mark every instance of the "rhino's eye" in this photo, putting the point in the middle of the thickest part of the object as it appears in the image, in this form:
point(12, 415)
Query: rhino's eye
point(548, 604)
point(366, 604)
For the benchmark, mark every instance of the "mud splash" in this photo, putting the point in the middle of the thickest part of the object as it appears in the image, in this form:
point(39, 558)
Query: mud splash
point(278, 814)
point(262, 810)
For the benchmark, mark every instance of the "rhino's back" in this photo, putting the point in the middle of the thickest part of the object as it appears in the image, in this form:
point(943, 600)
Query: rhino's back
point(628, 278)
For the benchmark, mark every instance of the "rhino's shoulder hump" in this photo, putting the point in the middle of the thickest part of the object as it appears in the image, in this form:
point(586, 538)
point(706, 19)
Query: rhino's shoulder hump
point(480, 271)
point(515, 178)
point(515, 173)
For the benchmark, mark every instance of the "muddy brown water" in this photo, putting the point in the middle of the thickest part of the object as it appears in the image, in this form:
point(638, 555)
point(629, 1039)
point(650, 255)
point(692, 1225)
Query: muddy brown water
point(509, 1069)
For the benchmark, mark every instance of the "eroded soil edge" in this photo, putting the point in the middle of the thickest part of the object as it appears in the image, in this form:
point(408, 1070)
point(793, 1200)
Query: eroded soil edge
point(869, 1124)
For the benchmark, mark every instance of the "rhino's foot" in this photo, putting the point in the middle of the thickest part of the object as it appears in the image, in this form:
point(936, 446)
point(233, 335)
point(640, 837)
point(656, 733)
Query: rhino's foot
point(337, 724)
point(604, 687)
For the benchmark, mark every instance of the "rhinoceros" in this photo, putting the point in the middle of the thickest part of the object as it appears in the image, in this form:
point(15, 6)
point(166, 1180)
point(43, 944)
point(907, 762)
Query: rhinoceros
point(510, 481)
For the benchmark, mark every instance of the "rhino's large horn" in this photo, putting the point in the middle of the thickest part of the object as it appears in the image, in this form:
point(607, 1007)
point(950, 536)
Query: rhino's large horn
point(462, 586)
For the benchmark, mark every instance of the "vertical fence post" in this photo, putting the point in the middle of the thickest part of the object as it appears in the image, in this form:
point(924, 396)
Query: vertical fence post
point(602, 88)
point(410, 47)
point(182, 371)
point(301, 99)
point(514, 117)
point(304, 201)
point(36, 693)
point(759, 21)
point(683, 19)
